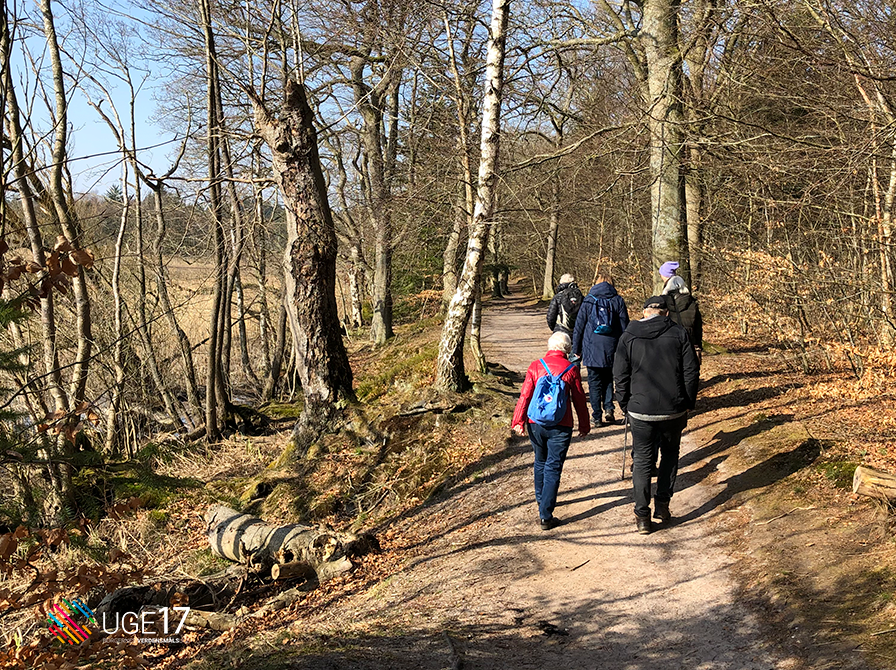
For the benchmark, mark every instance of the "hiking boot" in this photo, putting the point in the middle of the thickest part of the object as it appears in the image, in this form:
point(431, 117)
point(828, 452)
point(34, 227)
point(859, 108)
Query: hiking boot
point(548, 524)
point(661, 511)
point(609, 419)
point(643, 523)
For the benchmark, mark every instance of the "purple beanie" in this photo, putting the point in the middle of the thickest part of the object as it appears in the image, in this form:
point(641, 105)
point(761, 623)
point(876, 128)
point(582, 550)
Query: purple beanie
point(668, 268)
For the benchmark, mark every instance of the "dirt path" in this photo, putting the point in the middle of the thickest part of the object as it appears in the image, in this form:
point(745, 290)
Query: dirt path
point(487, 585)
point(627, 601)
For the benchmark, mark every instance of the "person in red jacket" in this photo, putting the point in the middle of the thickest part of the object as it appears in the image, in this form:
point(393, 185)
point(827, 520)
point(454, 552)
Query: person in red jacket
point(550, 443)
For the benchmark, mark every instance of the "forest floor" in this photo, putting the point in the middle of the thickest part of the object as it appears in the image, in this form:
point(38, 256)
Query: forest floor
point(770, 560)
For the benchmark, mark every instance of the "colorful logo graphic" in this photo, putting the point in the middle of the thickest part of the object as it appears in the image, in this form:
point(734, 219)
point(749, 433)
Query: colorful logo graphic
point(61, 619)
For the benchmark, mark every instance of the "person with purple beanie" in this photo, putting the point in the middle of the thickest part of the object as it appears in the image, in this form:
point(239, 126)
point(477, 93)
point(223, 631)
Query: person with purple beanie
point(683, 308)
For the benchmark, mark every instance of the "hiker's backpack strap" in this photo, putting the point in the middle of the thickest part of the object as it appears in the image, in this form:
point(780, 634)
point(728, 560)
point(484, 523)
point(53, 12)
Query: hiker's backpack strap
point(545, 366)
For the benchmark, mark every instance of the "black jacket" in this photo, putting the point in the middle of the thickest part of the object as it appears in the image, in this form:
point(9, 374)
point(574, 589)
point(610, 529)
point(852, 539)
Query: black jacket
point(684, 311)
point(655, 371)
point(564, 308)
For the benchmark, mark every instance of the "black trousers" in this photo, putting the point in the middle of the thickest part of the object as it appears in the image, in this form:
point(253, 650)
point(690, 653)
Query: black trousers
point(649, 440)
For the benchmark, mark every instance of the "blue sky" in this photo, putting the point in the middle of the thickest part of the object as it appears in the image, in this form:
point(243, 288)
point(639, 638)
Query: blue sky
point(94, 158)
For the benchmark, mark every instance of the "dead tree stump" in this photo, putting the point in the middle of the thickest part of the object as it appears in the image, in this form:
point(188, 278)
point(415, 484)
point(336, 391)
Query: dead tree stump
point(874, 483)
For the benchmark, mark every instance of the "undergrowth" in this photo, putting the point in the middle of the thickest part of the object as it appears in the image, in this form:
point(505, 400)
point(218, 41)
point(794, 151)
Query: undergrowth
point(392, 450)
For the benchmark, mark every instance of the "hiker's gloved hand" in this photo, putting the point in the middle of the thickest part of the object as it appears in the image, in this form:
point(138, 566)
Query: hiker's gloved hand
point(583, 433)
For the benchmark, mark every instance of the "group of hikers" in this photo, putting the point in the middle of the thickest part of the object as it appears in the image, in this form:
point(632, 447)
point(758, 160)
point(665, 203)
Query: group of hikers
point(653, 364)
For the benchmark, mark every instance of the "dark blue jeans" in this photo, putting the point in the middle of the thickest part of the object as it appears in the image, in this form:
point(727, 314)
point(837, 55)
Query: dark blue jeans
point(600, 392)
point(649, 439)
point(550, 446)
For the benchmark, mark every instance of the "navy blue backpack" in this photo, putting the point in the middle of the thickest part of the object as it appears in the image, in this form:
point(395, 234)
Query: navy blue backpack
point(550, 399)
point(603, 317)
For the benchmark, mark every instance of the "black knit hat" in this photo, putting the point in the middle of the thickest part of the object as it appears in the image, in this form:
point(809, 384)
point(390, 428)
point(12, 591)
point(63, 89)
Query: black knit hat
point(656, 302)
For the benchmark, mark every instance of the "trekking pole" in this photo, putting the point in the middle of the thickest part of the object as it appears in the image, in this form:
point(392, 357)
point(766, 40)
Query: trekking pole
point(624, 446)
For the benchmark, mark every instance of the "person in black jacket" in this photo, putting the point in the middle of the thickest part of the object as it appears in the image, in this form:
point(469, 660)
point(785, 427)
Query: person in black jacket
point(564, 307)
point(656, 375)
point(683, 307)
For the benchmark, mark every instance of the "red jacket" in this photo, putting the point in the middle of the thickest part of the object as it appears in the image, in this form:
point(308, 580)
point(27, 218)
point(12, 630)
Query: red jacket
point(557, 362)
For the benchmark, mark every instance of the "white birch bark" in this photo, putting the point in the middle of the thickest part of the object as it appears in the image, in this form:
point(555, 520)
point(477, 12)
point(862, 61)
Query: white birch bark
point(450, 366)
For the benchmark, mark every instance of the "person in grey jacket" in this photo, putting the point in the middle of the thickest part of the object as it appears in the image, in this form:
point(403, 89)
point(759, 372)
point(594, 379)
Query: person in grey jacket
point(656, 375)
point(564, 307)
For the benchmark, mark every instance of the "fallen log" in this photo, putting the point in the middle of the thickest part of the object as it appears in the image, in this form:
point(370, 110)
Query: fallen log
point(250, 540)
point(200, 595)
point(218, 621)
point(874, 483)
point(292, 570)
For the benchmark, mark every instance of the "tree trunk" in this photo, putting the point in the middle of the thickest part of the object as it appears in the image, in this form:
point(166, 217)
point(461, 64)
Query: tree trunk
point(449, 264)
point(885, 233)
point(355, 280)
point(264, 312)
point(273, 377)
point(476, 331)
point(463, 216)
point(65, 213)
point(237, 245)
point(162, 281)
point(450, 374)
point(697, 56)
point(547, 287)
point(21, 171)
point(310, 257)
point(214, 375)
point(694, 203)
point(659, 34)
point(113, 436)
point(370, 103)
point(168, 400)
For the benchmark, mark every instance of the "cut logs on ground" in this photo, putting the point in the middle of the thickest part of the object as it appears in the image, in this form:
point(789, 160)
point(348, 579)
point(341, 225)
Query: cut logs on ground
point(283, 551)
point(874, 483)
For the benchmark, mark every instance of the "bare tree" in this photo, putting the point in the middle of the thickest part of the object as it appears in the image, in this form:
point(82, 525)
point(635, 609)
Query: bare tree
point(310, 259)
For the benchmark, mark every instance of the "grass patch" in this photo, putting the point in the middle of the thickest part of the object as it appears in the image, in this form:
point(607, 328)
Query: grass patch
point(399, 365)
point(135, 478)
point(713, 349)
point(840, 473)
point(282, 410)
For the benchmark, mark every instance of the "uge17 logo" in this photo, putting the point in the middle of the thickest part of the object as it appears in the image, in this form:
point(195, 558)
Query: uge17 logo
point(61, 619)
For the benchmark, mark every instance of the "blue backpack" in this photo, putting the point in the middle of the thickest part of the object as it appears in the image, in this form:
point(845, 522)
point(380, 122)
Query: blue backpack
point(603, 317)
point(550, 399)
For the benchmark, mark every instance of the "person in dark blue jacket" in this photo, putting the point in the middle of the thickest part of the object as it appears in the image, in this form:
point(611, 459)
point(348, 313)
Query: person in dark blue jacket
point(600, 323)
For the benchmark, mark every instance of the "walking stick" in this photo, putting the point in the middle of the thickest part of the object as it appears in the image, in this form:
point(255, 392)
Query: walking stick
point(624, 446)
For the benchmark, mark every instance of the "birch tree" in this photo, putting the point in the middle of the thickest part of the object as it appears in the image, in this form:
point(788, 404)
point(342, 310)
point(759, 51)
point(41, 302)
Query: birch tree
point(450, 373)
